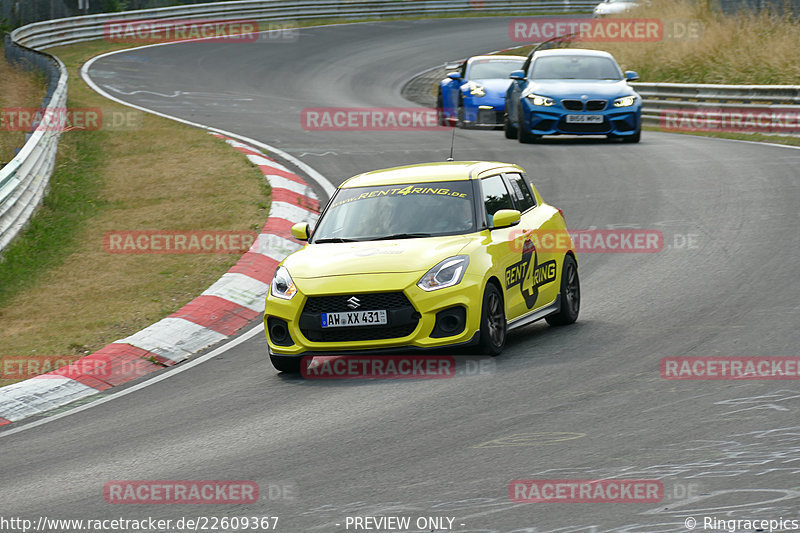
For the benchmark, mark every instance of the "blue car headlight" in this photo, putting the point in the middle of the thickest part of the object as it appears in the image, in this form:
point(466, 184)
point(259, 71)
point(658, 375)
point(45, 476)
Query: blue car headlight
point(544, 101)
point(625, 101)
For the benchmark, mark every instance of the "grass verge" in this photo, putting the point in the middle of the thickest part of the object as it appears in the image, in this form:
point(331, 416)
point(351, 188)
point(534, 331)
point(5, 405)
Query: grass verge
point(18, 88)
point(61, 293)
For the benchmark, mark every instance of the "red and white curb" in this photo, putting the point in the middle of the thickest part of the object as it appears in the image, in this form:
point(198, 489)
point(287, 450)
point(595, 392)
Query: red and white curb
point(227, 306)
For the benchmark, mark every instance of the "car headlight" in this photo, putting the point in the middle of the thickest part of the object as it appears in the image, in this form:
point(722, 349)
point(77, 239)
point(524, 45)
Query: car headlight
point(476, 89)
point(282, 284)
point(541, 100)
point(625, 101)
point(446, 274)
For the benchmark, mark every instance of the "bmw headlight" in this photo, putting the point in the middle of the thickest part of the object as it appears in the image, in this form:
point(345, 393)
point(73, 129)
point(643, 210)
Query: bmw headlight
point(543, 101)
point(625, 101)
point(282, 284)
point(446, 274)
point(476, 89)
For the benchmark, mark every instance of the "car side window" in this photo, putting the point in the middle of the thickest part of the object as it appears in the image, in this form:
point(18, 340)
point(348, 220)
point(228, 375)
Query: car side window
point(495, 195)
point(521, 193)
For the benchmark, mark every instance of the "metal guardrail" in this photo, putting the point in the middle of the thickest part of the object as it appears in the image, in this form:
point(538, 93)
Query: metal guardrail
point(660, 97)
point(23, 181)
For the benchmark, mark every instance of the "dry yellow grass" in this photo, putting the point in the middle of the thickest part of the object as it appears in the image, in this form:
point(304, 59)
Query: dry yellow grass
point(18, 88)
point(161, 175)
point(742, 49)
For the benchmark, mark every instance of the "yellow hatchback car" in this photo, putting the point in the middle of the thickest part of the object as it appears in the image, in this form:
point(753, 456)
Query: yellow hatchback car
point(423, 257)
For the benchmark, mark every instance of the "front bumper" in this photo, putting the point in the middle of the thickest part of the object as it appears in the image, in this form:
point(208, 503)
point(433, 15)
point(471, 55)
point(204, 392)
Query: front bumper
point(415, 316)
point(553, 121)
point(485, 111)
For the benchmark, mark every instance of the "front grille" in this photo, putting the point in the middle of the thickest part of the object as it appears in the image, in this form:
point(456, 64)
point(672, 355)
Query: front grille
point(369, 302)
point(566, 127)
point(367, 333)
point(401, 315)
point(490, 116)
point(596, 105)
point(572, 105)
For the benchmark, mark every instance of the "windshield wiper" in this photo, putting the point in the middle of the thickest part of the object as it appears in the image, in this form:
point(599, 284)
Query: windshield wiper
point(334, 239)
point(402, 236)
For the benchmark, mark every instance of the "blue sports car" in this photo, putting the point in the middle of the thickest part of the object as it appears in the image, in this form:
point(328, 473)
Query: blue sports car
point(573, 92)
point(475, 95)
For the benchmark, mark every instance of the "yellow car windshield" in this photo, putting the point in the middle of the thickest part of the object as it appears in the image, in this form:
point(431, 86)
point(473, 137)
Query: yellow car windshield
point(425, 209)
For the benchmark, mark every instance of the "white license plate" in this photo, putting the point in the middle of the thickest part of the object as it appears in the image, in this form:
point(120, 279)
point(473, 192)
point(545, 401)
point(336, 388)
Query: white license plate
point(354, 318)
point(585, 119)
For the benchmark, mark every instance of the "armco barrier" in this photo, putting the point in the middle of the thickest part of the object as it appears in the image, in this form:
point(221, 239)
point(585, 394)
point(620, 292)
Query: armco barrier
point(23, 181)
point(658, 97)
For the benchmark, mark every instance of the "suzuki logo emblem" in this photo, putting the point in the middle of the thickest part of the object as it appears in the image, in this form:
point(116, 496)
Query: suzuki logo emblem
point(353, 302)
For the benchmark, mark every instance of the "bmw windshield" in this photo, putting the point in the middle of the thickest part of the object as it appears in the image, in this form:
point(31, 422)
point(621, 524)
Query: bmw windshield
point(427, 209)
point(575, 67)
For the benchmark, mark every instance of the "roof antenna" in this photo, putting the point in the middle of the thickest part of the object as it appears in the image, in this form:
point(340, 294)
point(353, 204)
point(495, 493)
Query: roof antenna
point(452, 143)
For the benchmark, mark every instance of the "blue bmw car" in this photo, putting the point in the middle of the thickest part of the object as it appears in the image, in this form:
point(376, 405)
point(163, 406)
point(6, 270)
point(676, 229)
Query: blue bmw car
point(475, 95)
point(572, 92)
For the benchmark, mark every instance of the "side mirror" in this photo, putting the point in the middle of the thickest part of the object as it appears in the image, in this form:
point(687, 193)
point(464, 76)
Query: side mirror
point(301, 231)
point(505, 218)
point(454, 76)
point(517, 75)
point(631, 75)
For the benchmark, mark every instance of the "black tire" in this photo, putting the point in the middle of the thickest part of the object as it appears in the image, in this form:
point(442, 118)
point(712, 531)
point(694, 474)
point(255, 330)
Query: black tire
point(570, 295)
point(635, 138)
point(509, 129)
point(523, 135)
point(460, 116)
point(290, 365)
point(493, 322)
point(440, 109)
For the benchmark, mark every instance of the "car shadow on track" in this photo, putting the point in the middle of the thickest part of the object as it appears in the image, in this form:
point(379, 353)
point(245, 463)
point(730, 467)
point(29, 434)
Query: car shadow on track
point(531, 345)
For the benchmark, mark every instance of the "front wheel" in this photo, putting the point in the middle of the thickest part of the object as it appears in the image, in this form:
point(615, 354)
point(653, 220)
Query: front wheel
point(509, 129)
point(290, 365)
point(570, 295)
point(493, 322)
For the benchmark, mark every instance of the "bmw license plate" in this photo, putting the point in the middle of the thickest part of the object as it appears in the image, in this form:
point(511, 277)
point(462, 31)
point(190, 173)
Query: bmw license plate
point(585, 119)
point(354, 318)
